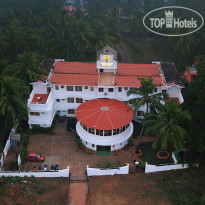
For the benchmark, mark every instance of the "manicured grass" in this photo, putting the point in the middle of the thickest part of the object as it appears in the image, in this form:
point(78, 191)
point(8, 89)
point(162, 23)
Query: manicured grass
point(150, 155)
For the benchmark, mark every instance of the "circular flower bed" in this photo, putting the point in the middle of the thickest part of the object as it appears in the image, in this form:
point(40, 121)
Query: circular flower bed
point(162, 155)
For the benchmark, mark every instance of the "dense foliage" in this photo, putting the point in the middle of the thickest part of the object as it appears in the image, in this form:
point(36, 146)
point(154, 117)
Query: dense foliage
point(31, 31)
point(194, 101)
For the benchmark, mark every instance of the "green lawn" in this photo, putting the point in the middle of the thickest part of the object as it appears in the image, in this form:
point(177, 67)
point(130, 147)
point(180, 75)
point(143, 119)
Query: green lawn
point(150, 155)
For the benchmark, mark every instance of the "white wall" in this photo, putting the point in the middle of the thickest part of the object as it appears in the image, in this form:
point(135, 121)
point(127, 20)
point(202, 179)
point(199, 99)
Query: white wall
point(39, 88)
point(60, 173)
point(119, 140)
point(153, 168)
point(175, 92)
point(101, 172)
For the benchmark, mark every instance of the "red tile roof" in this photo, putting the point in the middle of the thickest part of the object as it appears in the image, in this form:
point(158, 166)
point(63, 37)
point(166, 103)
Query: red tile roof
point(76, 73)
point(140, 70)
point(75, 67)
point(74, 79)
point(40, 98)
point(169, 99)
point(104, 114)
point(133, 81)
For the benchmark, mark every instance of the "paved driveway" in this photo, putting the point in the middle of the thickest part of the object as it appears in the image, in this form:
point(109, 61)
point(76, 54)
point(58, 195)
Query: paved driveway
point(60, 148)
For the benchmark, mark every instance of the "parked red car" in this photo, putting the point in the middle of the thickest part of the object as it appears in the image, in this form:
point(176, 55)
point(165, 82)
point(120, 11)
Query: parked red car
point(35, 157)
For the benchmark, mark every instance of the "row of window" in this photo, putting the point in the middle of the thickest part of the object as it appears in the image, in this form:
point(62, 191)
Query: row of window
point(72, 88)
point(104, 132)
point(70, 111)
point(79, 88)
point(71, 100)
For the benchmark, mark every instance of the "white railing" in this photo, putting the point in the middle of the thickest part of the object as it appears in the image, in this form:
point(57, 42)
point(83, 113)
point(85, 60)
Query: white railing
point(7, 146)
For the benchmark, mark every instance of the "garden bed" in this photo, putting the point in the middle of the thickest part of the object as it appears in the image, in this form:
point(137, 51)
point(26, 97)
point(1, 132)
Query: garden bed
point(150, 155)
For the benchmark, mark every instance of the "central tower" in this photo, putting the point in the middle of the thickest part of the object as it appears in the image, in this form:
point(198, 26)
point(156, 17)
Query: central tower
point(107, 60)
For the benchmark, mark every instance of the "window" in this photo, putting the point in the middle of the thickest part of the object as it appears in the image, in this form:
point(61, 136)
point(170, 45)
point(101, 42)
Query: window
point(70, 100)
point(125, 88)
point(131, 88)
point(62, 86)
point(110, 90)
point(91, 88)
point(155, 90)
point(56, 87)
point(97, 132)
point(71, 111)
point(35, 113)
point(164, 91)
point(69, 88)
point(140, 113)
point(101, 132)
point(78, 88)
point(79, 100)
point(86, 87)
point(120, 89)
point(100, 89)
point(57, 100)
point(93, 145)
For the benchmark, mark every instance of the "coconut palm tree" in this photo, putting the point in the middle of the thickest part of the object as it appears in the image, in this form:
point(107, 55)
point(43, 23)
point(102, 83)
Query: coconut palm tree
point(146, 96)
point(12, 103)
point(167, 125)
point(81, 36)
point(28, 67)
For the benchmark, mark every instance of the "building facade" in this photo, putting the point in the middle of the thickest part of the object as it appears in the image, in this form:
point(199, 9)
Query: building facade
point(69, 84)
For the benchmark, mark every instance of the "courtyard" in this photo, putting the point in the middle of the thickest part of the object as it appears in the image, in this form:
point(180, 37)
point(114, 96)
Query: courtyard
point(60, 147)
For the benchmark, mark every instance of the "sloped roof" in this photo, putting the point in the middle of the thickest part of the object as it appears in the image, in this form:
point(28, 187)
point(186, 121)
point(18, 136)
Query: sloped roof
point(104, 114)
point(140, 70)
point(76, 73)
point(74, 79)
point(170, 73)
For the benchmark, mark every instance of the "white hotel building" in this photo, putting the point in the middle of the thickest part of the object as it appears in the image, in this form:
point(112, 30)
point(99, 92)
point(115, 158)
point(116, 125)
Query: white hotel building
point(70, 84)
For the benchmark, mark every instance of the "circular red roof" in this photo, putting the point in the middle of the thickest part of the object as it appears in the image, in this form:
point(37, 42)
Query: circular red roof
point(104, 114)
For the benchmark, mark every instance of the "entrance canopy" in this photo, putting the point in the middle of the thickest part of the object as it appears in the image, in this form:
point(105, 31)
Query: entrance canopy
point(104, 114)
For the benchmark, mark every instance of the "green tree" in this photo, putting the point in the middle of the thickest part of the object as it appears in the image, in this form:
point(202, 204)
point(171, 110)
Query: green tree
point(81, 35)
point(167, 125)
point(12, 103)
point(102, 36)
point(194, 101)
point(184, 46)
point(145, 96)
point(28, 67)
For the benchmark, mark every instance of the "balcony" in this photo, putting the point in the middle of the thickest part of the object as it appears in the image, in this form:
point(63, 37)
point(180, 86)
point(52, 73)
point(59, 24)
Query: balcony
point(40, 102)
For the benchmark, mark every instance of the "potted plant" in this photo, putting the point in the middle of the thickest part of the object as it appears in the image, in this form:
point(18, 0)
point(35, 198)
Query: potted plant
point(126, 148)
point(91, 151)
point(162, 154)
point(62, 119)
point(137, 152)
point(130, 142)
point(114, 152)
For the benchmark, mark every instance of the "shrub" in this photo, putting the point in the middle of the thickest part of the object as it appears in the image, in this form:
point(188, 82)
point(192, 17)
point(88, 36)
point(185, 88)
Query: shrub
point(13, 180)
point(107, 165)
